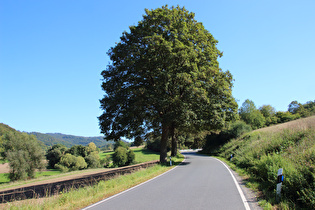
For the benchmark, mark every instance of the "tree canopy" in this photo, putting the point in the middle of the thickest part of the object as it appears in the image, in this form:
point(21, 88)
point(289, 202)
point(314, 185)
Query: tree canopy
point(251, 115)
point(164, 74)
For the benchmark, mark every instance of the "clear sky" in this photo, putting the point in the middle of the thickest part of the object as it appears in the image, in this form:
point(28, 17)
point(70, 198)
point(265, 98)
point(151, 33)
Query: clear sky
point(52, 54)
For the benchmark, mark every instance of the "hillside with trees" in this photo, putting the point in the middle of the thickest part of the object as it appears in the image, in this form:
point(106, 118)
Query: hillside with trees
point(50, 139)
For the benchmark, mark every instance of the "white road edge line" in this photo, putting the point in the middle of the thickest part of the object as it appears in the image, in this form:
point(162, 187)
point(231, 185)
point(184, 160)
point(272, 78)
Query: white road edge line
point(237, 185)
point(106, 199)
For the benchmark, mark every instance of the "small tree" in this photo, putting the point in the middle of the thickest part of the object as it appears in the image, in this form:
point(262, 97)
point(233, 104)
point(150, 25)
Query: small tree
point(93, 160)
point(120, 156)
point(54, 154)
point(91, 147)
point(267, 110)
point(252, 116)
point(78, 150)
point(24, 154)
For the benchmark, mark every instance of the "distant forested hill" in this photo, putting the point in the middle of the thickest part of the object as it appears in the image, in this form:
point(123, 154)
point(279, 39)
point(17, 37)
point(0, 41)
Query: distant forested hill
point(50, 139)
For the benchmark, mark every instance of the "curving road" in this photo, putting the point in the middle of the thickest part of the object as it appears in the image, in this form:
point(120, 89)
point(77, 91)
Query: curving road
point(200, 182)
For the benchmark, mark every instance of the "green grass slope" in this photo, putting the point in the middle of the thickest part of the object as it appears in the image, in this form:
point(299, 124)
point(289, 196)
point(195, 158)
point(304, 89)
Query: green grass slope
point(290, 146)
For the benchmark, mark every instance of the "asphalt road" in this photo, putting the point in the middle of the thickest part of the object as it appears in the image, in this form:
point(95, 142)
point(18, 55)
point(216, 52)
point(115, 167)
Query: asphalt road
point(201, 182)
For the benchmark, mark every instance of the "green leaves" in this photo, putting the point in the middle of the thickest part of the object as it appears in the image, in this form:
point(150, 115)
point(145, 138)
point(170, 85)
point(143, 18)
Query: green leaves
point(24, 154)
point(165, 71)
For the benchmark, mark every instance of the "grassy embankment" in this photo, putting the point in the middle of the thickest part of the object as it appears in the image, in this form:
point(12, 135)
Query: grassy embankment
point(82, 197)
point(259, 154)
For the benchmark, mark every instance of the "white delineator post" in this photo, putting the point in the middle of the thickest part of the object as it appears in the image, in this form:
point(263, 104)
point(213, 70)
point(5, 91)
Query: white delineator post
point(279, 182)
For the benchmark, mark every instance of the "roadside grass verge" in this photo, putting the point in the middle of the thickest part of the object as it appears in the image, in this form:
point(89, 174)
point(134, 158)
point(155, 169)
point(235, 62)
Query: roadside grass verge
point(82, 197)
point(259, 155)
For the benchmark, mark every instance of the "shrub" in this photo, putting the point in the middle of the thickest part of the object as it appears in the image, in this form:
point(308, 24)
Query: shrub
point(238, 128)
point(130, 157)
point(70, 162)
point(106, 161)
point(120, 157)
point(93, 160)
point(54, 154)
point(123, 157)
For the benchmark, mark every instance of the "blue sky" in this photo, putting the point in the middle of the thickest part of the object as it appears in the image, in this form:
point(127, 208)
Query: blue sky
point(52, 54)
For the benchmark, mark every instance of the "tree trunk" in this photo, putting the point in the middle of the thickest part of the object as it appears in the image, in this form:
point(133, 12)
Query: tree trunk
point(163, 147)
point(174, 142)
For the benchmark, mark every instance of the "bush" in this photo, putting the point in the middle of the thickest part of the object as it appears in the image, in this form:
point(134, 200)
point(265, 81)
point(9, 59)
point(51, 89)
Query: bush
point(123, 157)
point(54, 154)
point(238, 128)
point(93, 160)
point(120, 157)
point(130, 157)
point(106, 161)
point(70, 162)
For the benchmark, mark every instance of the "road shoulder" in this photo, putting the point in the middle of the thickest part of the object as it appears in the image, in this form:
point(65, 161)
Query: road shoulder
point(250, 195)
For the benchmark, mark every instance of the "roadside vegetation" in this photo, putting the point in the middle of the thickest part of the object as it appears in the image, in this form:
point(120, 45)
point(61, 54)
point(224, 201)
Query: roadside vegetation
point(260, 153)
point(79, 198)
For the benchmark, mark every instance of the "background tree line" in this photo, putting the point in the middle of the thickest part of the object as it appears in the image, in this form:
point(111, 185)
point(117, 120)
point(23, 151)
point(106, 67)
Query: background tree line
point(266, 115)
point(251, 118)
point(26, 155)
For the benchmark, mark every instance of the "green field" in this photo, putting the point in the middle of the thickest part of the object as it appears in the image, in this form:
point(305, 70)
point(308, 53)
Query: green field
point(142, 155)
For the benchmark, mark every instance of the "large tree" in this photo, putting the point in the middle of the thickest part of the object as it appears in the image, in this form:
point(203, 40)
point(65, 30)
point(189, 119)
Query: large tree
point(164, 75)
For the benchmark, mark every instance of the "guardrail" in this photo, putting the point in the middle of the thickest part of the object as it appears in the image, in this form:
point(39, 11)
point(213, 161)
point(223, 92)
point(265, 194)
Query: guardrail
point(53, 188)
